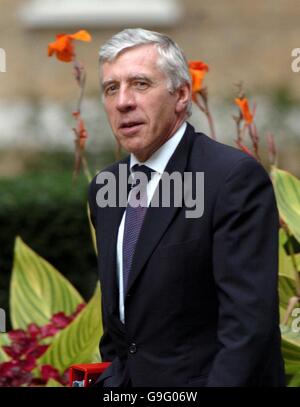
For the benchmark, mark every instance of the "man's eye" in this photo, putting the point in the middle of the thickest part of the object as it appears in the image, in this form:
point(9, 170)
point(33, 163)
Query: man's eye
point(141, 85)
point(110, 90)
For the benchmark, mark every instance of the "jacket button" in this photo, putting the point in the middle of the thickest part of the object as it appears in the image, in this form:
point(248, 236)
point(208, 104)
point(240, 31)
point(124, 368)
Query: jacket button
point(132, 348)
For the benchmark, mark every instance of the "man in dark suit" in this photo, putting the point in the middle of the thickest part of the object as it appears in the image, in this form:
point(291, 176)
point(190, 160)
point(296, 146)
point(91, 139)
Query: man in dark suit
point(186, 300)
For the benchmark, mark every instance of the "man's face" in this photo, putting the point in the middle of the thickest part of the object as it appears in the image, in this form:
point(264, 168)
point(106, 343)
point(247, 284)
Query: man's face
point(142, 112)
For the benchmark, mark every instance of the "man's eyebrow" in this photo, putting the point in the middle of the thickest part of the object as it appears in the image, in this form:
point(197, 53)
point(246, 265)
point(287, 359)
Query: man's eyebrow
point(140, 77)
point(106, 83)
point(129, 79)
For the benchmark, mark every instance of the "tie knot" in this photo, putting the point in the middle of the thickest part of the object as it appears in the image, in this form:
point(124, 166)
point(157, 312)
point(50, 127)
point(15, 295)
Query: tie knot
point(144, 169)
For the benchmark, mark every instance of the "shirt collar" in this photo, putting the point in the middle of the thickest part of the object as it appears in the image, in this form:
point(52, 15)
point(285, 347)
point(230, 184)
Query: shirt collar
point(159, 159)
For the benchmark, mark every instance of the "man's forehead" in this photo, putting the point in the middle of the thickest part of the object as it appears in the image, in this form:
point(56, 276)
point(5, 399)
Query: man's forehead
point(139, 51)
point(133, 62)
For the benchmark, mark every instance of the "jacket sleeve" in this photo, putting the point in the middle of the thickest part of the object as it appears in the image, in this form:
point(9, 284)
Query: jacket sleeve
point(106, 346)
point(245, 266)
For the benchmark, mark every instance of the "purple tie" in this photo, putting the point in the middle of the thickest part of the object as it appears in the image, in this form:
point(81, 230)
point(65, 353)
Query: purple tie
point(135, 213)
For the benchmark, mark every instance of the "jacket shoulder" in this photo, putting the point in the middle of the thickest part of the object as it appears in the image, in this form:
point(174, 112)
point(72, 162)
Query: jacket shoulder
point(113, 168)
point(219, 158)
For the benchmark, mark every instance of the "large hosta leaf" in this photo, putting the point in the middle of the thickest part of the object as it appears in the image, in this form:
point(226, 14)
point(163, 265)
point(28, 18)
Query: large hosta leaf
point(286, 267)
point(287, 286)
point(287, 289)
point(287, 191)
point(53, 383)
point(37, 289)
point(295, 382)
point(79, 341)
point(290, 345)
point(92, 229)
point(4, 340)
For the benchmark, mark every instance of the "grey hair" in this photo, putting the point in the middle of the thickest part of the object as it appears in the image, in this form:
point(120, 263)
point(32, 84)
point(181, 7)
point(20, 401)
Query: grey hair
point(172, 60)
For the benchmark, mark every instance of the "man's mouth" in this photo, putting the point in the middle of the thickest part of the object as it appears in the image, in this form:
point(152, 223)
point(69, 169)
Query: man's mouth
point(126, 125)
point(130, 127)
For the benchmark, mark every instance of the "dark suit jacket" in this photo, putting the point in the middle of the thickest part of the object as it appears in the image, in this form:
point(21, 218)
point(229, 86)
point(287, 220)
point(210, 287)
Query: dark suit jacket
point(202, 305)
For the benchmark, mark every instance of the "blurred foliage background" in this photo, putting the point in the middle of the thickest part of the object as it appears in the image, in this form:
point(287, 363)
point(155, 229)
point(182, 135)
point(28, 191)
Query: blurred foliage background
point(48, 211)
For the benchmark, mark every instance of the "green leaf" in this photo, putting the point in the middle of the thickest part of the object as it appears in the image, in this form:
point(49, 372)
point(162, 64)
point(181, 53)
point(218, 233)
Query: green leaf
point(4, 340)
point(37, 289)
point(79, 341)
point(287, 289)
point(92, 229)
point(53, 383)
point(287, 286)
point(290, 345)
point(287, 191)
point(285, 261)
point(295, 381)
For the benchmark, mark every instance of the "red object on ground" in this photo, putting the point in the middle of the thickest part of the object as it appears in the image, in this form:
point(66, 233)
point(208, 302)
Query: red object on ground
point(86, 374)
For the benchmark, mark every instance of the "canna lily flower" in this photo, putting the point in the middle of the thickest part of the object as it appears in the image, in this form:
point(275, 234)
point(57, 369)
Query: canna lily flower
point(245, 110)
point(198, 70)
point(63, 47)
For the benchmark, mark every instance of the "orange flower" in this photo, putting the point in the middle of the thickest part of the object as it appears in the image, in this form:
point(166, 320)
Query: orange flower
point(198, 70)
point(63, 47)
point(245, 110)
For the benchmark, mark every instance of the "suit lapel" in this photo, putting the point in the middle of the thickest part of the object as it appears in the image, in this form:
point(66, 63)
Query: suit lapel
point(157, 219)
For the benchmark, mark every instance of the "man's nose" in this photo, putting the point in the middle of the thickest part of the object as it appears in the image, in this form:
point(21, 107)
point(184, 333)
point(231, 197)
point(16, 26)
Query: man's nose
point(126, 100)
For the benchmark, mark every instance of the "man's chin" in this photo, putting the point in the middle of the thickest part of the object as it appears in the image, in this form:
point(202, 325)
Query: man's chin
point(138, 152)
point(132, 145)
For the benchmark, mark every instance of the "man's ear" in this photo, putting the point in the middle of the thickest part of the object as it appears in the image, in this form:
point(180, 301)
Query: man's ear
point(183, 97)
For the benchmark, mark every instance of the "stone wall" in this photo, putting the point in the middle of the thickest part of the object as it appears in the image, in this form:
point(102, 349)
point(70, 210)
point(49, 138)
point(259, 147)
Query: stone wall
point(249, 41)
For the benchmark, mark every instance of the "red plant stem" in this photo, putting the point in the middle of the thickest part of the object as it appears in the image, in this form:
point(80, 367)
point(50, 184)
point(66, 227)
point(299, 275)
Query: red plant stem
point(80, 77)
point(205, 109)
point(211, 124)
point(240, 136)
point(254, 139)
point(86, 169)
point(272, 150)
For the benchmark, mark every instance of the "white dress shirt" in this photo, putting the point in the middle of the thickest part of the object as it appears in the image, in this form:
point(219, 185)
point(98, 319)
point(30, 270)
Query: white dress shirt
point(157, 162)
